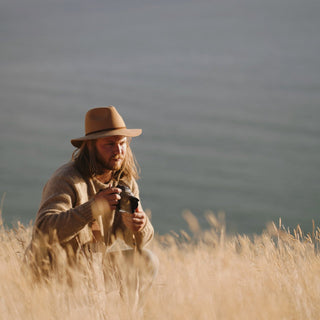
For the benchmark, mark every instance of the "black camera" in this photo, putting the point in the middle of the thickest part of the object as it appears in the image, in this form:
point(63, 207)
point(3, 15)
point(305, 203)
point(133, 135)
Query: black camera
point(128, 202)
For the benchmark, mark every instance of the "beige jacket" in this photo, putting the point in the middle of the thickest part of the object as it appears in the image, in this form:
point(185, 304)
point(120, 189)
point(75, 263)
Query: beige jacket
point(67, 211)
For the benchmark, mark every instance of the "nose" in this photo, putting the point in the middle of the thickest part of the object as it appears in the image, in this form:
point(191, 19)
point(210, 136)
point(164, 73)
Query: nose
point(117, 148)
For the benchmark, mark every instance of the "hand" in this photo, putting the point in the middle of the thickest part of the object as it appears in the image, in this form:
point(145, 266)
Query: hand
point(112, 195)
point(134, 221)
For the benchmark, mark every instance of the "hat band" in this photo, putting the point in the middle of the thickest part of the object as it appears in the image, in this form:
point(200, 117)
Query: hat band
point(104, 130)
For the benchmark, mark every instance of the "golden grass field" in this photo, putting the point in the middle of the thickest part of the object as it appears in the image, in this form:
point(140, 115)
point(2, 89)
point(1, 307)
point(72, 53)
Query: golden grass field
point(208, 275)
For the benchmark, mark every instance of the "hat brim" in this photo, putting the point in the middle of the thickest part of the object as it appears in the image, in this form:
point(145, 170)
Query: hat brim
point(109, 133)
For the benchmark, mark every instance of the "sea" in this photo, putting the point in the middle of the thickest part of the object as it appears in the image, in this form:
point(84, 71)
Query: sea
point(227, 94)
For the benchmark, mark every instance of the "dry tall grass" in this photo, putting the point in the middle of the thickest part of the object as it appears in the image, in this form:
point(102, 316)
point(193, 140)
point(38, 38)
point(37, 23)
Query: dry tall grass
point(275, 275)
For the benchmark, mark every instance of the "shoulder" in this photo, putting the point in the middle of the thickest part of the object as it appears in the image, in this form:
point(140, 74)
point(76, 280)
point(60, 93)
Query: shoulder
point(67, 170)
point(67, 174)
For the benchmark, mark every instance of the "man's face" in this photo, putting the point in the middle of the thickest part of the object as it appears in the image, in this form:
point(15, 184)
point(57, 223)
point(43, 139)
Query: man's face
point(111, 151)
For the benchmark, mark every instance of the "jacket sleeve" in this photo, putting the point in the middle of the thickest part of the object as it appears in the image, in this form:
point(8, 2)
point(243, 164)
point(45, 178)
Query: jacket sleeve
point(59, 213)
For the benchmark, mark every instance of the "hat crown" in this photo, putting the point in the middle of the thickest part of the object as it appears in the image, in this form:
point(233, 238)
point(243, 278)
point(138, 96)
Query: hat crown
point(103, 119)
point(104, 122)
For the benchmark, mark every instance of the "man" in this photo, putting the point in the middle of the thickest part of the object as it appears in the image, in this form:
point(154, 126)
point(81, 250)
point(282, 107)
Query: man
point(79, 203)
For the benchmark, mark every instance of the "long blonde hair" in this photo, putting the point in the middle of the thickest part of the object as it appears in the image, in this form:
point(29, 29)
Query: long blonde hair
point(85, 160)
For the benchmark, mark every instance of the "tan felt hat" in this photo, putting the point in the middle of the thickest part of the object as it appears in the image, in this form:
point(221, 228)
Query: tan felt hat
point(104, 122)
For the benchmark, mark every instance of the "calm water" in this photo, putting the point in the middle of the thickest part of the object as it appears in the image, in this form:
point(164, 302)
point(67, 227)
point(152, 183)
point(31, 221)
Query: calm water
point(227, 93)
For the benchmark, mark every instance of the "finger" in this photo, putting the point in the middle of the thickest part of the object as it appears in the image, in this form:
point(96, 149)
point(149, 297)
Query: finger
point(138, 218)
point(116, 190)
point(138, 221)
point(138, 215)
point(111, 191)
point(114, 196)
point(113, 200)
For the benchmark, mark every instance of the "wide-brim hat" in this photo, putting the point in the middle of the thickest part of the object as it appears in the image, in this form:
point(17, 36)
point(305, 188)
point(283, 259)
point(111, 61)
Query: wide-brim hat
point(104, 122)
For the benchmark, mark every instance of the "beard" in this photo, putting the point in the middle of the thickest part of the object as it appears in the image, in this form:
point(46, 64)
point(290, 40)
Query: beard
point(114, 163)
